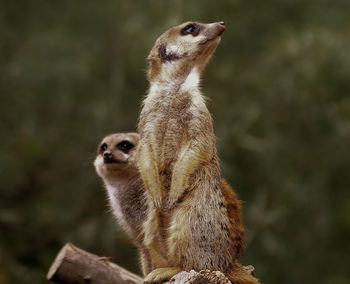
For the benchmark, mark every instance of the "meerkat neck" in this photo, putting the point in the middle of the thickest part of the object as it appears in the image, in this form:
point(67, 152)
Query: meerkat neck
point(191, 82)
point(118, 181)
point(187, 82)
point(114, 190)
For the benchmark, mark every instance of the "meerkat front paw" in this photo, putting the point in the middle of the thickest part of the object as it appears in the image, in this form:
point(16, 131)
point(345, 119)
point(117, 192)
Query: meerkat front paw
point(175, 193)
point(157, 201)
point(160, 275)
point(156, 195)
point(171, 202)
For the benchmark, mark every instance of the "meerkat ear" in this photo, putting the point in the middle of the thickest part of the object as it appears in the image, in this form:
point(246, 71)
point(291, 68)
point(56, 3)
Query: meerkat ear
point(164, 56)
point(154, 67)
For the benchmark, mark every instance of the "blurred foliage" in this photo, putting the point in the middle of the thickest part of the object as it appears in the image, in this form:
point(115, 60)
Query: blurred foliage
point(74, 71)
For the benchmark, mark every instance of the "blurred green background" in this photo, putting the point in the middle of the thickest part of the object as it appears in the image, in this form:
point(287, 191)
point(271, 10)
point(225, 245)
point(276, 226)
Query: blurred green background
point(278, 87)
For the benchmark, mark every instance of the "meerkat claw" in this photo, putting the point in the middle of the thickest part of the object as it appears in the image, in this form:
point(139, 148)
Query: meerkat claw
point(160, 275)
point(157, 202)
point(171, 202)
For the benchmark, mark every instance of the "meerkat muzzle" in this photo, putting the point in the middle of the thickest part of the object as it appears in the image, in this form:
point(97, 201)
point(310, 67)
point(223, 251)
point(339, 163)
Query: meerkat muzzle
point(214, 31)
point(221, 28)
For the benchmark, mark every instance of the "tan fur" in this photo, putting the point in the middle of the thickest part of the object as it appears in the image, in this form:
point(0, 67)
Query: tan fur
point(125, 188)
point(194, 219)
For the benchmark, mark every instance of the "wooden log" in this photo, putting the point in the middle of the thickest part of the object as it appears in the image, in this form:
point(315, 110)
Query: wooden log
point(76, 266)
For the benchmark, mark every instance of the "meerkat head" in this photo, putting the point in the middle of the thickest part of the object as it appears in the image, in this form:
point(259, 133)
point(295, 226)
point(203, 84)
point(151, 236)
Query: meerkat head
point(116, 156)
point(182, 48)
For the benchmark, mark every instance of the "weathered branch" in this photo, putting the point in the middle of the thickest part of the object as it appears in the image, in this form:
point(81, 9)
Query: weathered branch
point(76, 266)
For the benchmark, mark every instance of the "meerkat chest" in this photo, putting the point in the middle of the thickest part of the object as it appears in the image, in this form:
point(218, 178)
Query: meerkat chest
point(172, 115)
point(171, 121)
point(166, 110)
point(168, 119)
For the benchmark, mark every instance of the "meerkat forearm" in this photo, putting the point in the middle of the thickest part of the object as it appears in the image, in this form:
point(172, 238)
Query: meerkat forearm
point(145, 261)
point(150, 173)
point(190, 158)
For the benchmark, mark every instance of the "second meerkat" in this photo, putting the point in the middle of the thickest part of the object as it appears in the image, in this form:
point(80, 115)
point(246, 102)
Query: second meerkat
point(116, 165)
point(191, 222)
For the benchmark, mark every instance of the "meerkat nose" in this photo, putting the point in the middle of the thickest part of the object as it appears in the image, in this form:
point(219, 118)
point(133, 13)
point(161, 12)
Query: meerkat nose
point(222, 23)
point(107, 154)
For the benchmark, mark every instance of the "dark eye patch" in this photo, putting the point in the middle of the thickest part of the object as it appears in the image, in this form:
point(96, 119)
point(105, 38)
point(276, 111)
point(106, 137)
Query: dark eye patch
point(103, 147)
point(125, 146)
point(192, 29)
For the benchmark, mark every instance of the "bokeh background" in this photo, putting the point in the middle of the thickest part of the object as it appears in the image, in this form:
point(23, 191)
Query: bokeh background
point(278, 87)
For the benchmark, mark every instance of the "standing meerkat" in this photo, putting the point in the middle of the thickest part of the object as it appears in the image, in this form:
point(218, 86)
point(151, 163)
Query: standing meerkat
point(116, 165)
point(192, 220)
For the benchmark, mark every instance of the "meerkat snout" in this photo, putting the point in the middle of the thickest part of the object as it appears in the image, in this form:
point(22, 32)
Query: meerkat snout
point(107, 154)
point(108, 157)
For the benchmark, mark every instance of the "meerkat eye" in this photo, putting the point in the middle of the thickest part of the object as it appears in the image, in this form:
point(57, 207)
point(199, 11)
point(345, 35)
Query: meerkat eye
point(103, 147)
point(190, 29)
point(125, 146)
